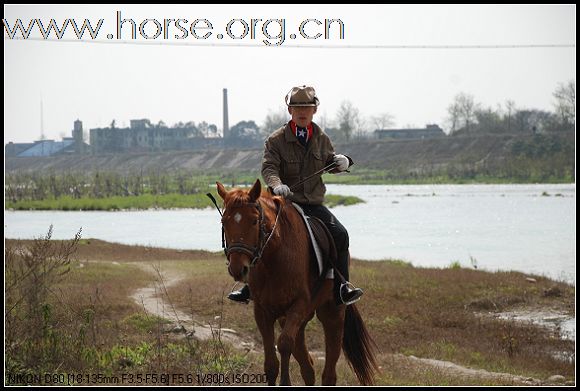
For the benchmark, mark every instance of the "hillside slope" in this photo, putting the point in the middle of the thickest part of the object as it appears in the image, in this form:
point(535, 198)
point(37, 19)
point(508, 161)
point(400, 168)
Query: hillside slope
point(407, 155)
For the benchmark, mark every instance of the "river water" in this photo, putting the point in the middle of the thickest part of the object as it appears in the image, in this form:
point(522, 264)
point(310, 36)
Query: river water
point(528, 228)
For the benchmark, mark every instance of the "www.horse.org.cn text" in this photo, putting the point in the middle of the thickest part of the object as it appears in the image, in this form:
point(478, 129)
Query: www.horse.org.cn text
point(271, 32)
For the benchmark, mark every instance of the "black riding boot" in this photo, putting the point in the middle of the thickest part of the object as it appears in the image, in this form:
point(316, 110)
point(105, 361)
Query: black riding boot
point(242, 296)
point(343, 291)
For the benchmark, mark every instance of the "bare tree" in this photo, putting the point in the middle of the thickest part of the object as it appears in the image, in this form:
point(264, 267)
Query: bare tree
point(510, 107)
point(321, 119)
point(462, 111)
point(348, 119)
point(382, 121)
point(488, 120)
point(565, 95)
point(467, 108)
point(361, 128)
point(273, 121)
point(454, 113)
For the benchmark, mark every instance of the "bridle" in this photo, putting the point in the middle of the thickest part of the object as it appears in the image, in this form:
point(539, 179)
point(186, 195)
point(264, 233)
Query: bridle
point(254, 252)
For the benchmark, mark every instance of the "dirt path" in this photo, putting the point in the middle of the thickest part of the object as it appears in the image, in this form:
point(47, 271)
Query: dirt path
point(154, 300)
point(463, 372)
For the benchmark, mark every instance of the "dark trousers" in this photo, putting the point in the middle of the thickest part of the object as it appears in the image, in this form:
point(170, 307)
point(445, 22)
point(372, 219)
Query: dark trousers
point(338, 232)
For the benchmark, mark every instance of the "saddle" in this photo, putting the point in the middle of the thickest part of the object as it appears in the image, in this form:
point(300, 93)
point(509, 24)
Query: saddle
point(322, 243)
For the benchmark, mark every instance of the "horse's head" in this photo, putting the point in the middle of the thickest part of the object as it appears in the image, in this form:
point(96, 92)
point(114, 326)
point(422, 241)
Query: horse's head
point(244, 227)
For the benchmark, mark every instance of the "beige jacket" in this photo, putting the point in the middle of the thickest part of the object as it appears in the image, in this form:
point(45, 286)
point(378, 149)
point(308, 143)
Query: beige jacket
point(287, 162)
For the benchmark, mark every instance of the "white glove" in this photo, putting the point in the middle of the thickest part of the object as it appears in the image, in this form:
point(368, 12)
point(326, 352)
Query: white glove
point(282, 190)
point(341, 162)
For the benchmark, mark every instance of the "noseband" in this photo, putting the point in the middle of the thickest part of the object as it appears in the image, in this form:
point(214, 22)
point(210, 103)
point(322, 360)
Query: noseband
point(255, 252)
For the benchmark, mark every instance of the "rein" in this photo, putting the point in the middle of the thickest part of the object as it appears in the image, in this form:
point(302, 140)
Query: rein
point(294, 186)
point(254, 252)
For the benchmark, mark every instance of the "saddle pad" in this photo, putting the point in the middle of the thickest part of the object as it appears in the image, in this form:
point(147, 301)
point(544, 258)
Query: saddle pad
point(317, 251)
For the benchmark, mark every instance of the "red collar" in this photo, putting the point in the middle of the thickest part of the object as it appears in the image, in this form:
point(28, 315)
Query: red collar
point(295, 129)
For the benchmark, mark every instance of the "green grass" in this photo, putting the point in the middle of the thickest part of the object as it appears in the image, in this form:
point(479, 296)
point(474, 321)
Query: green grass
point(145, 201)
point(111, 191)
point(145, 322)
point(332, 200)
point(369, 176)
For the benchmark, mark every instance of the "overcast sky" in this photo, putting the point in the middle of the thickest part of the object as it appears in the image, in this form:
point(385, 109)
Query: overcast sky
point(179, 80)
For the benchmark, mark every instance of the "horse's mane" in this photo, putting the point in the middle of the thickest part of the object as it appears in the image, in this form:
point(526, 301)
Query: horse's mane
point(270, 201)
point(239, 197)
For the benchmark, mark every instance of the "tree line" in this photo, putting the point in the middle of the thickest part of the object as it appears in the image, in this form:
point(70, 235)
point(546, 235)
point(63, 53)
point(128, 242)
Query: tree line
point(467, 116)
point(464, 116)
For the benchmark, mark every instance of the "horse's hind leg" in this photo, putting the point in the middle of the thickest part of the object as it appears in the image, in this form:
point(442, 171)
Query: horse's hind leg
point(301, 355)
point(332, 318)
point(266, 326)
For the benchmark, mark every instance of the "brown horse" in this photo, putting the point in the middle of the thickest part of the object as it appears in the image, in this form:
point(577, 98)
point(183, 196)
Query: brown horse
point(267, 248)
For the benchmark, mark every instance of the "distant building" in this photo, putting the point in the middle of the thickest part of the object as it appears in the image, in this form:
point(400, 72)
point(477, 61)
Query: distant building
point(142, 136)
point(49, 148)
point(68, 145)
point(430, 131)
point(14, 149)
point(80, 146)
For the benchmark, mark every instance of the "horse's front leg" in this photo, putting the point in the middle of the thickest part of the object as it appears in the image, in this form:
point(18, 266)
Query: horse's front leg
point(265, 324)
point(301, 355)
point(286, 342)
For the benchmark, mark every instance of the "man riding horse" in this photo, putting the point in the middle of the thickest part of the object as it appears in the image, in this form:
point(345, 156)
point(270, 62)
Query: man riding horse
point(293, 153)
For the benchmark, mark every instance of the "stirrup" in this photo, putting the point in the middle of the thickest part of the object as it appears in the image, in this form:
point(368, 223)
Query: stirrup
point(351, 287)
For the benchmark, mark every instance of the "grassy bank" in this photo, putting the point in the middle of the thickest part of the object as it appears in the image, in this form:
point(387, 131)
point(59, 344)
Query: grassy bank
point(86, 322)
point(145, 201)
point(368, 176)
point(110, 190)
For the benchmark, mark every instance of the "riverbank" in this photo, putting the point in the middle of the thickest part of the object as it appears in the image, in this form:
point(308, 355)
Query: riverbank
point(141, 202)
point(368, 176)
point(412, 313)
point(517, 157)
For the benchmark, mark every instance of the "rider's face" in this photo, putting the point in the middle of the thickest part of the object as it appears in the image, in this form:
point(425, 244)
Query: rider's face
point(302, 115)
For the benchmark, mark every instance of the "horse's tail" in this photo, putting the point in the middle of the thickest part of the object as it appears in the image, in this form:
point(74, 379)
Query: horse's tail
point(358, 346)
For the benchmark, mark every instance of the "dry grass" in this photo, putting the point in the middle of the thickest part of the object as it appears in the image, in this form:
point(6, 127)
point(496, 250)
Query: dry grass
point(428, 313)
point(88, 324)
point(422, 312)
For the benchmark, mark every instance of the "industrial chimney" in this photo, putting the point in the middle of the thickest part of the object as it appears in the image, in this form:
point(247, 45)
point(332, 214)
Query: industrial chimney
point(226, 124)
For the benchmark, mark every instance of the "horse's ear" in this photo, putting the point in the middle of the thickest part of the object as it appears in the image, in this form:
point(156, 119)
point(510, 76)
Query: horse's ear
point(221, 190)
point(256, 190)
